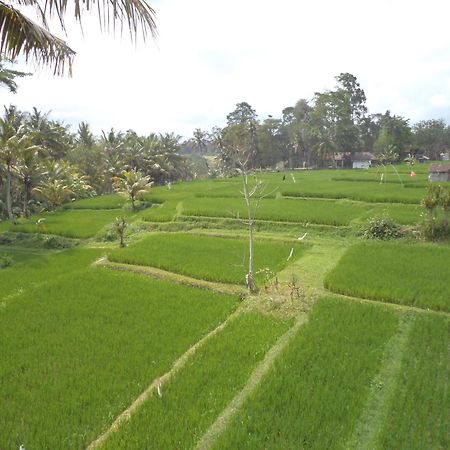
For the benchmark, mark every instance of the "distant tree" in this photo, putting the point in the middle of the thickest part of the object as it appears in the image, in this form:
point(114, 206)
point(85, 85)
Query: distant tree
point(337, 116)
point(132, 184)
point(241, 132)
point(432, 137)
point(394, 132)
point(270, 145)
point(84, 137)
point(7, 76)
point(53, 192)
point(120, 226)
point(199, 141)
point(28, 169)
point(11, 133)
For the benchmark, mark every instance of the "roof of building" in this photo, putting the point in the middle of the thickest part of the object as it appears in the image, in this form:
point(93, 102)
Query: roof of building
point(362, 156)
point(439, 168)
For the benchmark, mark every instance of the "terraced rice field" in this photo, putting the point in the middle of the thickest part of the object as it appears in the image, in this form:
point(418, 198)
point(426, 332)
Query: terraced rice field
point(409, 274)
point(285, 369)
point(206, 257)
point(74, 223)
point(94, 340)
point(420, 404)
point(111, 201)
point(193, 398)
point(317, 389)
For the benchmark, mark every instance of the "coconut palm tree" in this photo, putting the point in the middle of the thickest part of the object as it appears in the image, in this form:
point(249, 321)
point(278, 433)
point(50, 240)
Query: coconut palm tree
point(53, 192)
point(7, 76)
point(28, 170)
point(133, 184)
point(11, 133)
point(20, 35)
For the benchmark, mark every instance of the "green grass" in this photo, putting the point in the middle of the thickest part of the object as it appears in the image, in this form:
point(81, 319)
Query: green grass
point(164, 212)
point(410, 274)
point(205, 257)
point(197, 394)
point(38, 269)
point(284, 210)
point(351, 184)
point(111, 201)
point(366, 192)
point(19, 254)
point(317, 389)
point(79, 224)
point(401, 213)
point(419, 417)
point(77, 352)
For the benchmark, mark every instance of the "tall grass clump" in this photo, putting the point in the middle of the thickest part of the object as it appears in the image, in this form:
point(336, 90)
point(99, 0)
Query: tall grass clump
point(416, 275)
point(317, 389)
point(437, 212)
point(195, 396)
point(77, 352)
point(419, 415)
point(206, 257)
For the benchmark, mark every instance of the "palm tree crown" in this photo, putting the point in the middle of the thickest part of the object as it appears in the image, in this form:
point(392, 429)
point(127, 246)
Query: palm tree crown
point(21, 36)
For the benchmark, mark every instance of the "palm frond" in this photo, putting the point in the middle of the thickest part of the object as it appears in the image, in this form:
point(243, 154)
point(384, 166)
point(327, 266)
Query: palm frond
point(136, 14)
point(20, 35)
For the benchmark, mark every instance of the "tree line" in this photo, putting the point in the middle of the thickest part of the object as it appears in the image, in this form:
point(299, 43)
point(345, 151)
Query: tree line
point(313, 133)
point(43, 164)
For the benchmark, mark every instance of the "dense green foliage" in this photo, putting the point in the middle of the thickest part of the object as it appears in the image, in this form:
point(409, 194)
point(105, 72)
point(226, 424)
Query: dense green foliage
point(94, 340)
point(206, 257)
point(200, 391)
point(380, 227)
point(317, 389)
point(419, 414)
point(401, 273)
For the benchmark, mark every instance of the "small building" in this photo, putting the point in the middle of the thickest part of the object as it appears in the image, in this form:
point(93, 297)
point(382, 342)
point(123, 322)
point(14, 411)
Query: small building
point(422, 159)
point(362, 160)
point(444, 156)
point(439, 172)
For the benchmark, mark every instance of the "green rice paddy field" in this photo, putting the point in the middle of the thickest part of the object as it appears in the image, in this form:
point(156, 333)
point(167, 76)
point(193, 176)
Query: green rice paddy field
point(416, 275)
point(78, 350)
point(206, 257)
point(293, 366)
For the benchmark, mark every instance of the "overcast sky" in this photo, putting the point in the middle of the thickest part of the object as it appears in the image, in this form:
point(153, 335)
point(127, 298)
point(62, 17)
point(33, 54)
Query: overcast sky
point(212, 54)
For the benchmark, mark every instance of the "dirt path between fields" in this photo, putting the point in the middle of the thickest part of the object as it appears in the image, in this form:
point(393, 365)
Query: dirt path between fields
point(253, 382)
point(161, 274)
point(178, 364)
point(367, 429)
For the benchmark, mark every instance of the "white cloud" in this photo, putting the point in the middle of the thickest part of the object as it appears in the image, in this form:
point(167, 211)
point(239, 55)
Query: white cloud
point(211, 55)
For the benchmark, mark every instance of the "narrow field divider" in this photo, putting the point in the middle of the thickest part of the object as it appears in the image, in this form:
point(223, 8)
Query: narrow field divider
point(159, 382)
point(227, 415)
point(373, 417)
point(154, 272)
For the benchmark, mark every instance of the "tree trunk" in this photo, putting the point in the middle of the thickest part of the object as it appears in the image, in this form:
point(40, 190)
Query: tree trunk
point(25, 199)
point(249, 277)
point(8, 195)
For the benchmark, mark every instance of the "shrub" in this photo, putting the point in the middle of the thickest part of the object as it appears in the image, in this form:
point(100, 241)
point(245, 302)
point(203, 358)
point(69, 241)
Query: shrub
point(6, 261)
point(380, 227)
